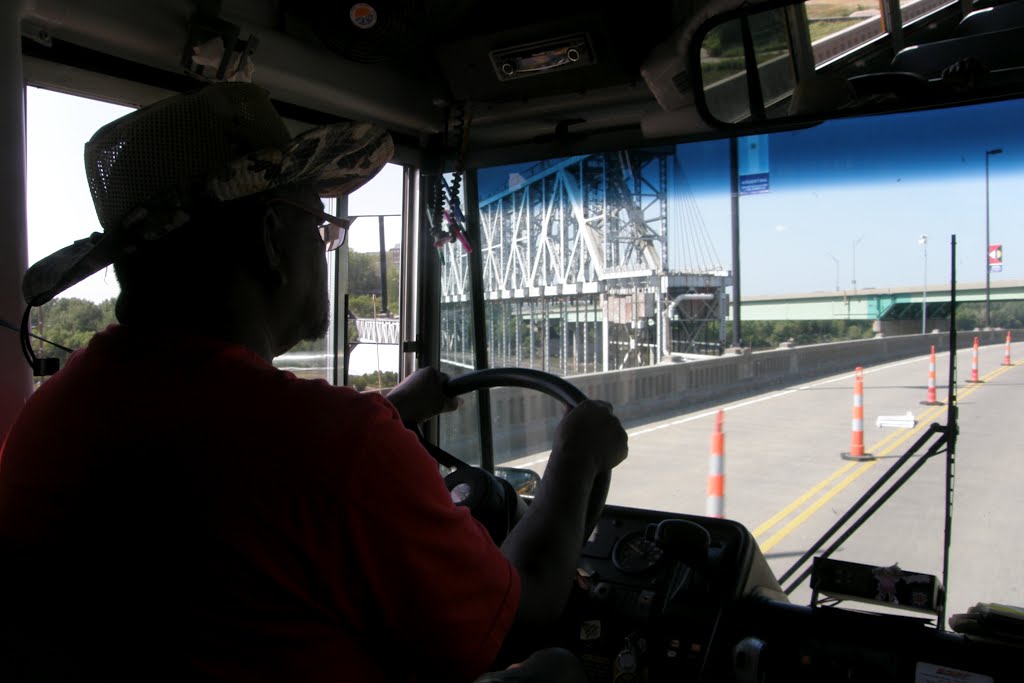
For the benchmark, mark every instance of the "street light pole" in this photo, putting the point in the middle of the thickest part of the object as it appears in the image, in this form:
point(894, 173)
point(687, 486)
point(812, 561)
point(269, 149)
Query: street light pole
point(923, 240)
point(853, 270)
point(988, 279)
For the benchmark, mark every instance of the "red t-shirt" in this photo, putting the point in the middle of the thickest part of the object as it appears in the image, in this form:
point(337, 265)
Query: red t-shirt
point(180, 501)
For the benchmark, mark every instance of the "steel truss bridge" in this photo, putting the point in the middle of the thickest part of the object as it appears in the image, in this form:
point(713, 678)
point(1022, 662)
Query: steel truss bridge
point(583, 269)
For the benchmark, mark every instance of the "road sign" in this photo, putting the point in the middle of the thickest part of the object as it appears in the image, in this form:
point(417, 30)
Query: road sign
point(995, 258)
point(754, 165)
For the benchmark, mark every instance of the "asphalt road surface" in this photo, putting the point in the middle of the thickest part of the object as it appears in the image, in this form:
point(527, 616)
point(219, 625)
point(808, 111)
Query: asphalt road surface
point(786, 481)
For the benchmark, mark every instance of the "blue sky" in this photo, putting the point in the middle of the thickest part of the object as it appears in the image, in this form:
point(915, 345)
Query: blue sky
point(884, 181)
point(879, 182)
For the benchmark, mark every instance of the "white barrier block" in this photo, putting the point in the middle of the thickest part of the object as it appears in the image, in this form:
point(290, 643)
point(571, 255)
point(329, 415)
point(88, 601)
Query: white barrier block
point(903, 421)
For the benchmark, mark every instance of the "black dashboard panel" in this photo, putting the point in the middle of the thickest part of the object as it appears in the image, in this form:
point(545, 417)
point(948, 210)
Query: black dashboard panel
point(774, 642)
point(651, 590)
point(668, 597)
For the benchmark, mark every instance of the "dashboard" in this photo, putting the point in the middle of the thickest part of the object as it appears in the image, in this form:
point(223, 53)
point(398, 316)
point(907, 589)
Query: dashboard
point(651, 590)
point(667, 597)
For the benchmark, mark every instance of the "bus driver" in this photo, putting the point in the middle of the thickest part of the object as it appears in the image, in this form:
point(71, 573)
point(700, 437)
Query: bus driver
point(174, 506)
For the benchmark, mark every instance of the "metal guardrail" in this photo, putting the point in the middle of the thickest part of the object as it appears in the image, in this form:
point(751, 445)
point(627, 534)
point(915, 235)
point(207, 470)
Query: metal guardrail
point(525, 420)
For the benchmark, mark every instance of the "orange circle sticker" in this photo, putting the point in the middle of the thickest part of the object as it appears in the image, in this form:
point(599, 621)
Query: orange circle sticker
point(363, 15)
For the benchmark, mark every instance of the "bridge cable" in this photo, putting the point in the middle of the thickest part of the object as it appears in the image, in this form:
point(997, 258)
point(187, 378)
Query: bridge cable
point(703, 256)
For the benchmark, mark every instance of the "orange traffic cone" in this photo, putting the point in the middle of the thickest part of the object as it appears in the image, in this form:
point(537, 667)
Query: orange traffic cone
point(716, 471)
point(857, 431)
point(1006, 357)
point(932, 400)
point(974, 364)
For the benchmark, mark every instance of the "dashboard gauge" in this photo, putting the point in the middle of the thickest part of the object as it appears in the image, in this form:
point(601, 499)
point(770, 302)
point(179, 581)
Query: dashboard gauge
point(634, 553)
point(460, 493)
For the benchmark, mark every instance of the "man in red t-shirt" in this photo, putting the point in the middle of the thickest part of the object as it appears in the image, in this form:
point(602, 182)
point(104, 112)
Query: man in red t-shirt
point(173, 506)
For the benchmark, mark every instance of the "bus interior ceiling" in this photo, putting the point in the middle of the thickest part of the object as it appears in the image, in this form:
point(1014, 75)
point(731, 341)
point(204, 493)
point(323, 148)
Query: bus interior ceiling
point(414, 63)
point(404, 72)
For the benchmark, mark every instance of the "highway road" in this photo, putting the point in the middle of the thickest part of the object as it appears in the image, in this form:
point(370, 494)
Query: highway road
point(787, 482)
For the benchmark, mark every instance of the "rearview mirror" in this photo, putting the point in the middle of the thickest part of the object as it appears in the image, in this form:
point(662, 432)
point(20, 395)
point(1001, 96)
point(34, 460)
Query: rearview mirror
point(816, 59)
point(523, 481)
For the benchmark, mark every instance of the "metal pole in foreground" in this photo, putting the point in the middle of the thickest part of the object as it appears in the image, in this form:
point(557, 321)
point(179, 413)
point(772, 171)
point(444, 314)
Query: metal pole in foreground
point(734, 191)
point(924, 288)
point(14, 252)
point(988, 316)
point(383, 270)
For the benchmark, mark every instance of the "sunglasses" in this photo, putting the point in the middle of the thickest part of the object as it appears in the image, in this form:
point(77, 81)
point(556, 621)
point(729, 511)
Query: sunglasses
point(332, 228)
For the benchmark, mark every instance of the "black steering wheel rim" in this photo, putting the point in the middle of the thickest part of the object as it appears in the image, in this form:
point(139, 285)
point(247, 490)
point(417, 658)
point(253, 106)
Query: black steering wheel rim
point(551, 385)
point(544, 382)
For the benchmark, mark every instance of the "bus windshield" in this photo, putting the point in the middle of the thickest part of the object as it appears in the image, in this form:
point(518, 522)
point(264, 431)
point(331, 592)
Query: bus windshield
point(616, 270)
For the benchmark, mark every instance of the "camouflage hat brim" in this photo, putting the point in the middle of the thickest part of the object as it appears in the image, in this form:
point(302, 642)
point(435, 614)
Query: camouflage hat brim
point(66, 267)
point(335, 159)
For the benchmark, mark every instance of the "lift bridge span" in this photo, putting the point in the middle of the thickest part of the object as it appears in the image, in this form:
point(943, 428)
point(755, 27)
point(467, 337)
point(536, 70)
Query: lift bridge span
point(585, 269)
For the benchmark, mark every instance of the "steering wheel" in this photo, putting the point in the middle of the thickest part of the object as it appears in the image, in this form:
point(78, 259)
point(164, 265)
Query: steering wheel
point(492, 500)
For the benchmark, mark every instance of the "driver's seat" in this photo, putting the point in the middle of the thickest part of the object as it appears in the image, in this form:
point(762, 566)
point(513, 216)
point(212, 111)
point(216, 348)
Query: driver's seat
point(26, 653)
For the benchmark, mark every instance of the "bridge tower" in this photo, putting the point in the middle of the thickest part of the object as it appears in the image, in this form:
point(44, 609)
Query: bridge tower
point(580, 269)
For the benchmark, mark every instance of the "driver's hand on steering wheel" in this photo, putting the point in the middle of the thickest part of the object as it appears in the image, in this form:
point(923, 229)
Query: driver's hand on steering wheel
point(590, 436)
point(420, 396)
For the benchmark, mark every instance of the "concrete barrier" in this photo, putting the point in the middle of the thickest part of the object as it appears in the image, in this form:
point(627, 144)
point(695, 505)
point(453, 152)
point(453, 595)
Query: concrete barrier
point(524, 420)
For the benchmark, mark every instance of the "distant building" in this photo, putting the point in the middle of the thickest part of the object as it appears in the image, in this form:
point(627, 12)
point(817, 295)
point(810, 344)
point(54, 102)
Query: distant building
point(395, 255)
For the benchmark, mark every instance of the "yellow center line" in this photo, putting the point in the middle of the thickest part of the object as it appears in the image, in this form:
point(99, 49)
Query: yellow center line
point(784, 512)
point(805, 515)
point(897, 439)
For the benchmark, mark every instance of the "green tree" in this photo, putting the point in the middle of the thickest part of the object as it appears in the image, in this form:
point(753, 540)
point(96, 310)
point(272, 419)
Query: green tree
point(364, 286)
point(70, 322)
point(374, 380)
point(767, 334)
point(364, 283)
point(1008, 314)
point(363, 273)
